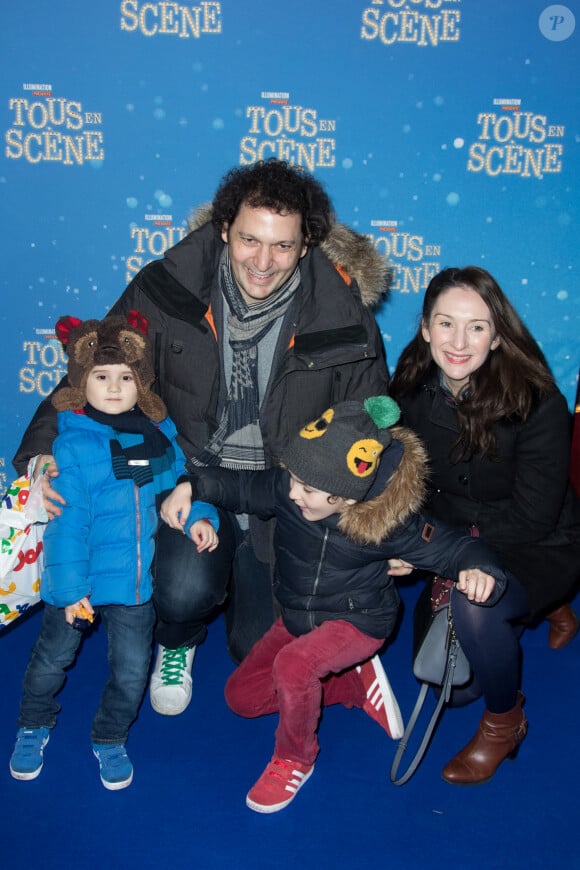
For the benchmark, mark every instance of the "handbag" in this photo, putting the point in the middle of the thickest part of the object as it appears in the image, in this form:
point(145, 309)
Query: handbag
point(438, 660)
point(22, 523)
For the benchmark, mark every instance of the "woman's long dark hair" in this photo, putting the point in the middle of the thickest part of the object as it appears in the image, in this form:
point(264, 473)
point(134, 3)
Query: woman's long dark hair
point(505, 387)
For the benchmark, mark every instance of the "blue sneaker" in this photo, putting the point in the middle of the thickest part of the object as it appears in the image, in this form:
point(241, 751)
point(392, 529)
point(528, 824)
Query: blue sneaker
point(26, 761)
point(115, 765)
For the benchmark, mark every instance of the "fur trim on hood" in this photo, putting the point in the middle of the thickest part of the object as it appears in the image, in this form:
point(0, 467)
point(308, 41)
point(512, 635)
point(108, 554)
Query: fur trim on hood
point(350, 252)
point(370, 522)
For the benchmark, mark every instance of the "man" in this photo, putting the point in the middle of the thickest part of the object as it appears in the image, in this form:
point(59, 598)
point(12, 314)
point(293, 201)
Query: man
point(260, 318)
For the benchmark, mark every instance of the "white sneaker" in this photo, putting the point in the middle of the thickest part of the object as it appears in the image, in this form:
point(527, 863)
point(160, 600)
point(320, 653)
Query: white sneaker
point(170, 687)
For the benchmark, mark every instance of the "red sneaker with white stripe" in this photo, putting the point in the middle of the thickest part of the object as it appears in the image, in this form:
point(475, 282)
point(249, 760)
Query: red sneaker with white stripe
point(278, 785)
point(381, 704)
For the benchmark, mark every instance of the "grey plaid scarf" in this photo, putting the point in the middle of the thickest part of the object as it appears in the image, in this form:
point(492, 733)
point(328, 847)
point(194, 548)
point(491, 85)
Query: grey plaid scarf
point(237, 441)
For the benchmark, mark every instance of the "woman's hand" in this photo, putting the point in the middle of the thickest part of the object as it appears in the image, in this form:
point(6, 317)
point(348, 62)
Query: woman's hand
point(176, 507)
point(477, 585)
point(399, 568)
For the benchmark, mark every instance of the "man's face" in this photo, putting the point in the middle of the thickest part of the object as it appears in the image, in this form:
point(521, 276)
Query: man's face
point(265, 248)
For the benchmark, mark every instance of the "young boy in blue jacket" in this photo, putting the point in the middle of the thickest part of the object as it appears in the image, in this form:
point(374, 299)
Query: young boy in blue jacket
point(117, 454)
point(347, 501)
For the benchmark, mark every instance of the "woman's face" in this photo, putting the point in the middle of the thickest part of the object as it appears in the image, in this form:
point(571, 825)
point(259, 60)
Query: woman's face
point(461, 335)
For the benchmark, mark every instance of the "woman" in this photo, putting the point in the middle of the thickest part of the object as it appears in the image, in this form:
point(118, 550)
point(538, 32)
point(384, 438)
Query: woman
point(475, 385)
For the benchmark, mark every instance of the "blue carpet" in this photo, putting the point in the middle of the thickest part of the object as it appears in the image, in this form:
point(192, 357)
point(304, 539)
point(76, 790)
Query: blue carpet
point(186, 806)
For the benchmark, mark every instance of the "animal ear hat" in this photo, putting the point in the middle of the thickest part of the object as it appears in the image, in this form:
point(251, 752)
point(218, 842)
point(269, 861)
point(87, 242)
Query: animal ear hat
point(112, 341)
point(340, 452)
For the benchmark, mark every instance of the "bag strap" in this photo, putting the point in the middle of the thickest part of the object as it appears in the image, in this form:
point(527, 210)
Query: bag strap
point(443, 699)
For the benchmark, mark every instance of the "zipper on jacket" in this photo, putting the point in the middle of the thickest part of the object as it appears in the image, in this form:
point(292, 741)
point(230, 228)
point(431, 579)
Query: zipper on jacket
point(318, 573)
point(138, 545)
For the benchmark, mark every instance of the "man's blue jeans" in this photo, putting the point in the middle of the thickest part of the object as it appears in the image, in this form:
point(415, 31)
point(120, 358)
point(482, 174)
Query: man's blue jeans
point(129, 633)
point(191, 587)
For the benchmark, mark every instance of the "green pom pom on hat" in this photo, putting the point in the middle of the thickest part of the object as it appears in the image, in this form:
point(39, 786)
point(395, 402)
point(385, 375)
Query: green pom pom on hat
point(383, 411)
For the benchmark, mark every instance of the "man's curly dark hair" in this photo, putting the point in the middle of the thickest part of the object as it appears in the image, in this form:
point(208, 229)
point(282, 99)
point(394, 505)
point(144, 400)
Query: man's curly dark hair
point(279, 186)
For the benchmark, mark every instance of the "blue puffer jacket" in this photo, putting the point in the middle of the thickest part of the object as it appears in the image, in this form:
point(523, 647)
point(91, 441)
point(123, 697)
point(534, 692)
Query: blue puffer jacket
point(102, 546)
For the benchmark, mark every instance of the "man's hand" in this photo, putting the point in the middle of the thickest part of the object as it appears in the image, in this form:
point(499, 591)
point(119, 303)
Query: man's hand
point(46, 466)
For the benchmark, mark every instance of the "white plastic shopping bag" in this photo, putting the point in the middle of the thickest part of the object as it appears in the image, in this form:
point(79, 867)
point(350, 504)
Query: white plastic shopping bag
point(22, 522)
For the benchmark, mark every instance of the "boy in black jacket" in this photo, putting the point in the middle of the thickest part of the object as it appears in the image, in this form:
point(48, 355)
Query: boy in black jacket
point(347, 501)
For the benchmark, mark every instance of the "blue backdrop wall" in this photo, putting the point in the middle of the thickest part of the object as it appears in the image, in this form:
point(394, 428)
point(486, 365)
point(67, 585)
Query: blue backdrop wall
point(445, 130)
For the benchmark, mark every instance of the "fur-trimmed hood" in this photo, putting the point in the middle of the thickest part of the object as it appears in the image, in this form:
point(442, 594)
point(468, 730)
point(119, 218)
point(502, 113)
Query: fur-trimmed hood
point(348, 250)
point(374, 519)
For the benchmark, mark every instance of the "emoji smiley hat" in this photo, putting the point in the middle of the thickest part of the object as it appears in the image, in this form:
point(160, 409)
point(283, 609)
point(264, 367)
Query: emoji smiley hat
point(340, 452)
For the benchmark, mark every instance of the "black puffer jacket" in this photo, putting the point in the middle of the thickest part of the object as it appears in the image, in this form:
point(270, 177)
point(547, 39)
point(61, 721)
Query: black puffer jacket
point(329, 350)
point(336, 568)
point(523, 503)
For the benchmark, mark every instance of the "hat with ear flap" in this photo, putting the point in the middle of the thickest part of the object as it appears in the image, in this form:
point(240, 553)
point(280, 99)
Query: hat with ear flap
point(340, 452)
point(115, 340)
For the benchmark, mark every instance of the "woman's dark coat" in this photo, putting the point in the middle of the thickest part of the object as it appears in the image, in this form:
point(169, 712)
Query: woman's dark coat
point(522, 504)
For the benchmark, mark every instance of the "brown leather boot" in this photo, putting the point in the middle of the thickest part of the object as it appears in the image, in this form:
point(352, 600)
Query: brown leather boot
point(563, 626)
point(498, 737)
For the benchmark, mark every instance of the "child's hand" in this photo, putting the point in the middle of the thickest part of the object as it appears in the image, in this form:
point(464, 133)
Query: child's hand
point(83, 609)
point(204, 535)
point(475, 584)
point(176, 507)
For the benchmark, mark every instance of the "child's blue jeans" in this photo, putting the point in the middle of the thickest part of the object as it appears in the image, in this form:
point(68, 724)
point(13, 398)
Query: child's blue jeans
point(129, 633)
